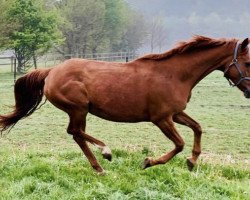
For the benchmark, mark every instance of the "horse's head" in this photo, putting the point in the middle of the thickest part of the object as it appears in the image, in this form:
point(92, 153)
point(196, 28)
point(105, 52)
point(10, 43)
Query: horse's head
point(238, 71)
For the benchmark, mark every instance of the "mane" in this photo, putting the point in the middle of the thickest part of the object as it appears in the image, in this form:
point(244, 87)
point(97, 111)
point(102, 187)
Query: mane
point(196, 43)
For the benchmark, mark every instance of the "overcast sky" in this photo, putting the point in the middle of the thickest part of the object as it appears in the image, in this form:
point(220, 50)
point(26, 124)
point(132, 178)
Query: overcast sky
point(214, 18)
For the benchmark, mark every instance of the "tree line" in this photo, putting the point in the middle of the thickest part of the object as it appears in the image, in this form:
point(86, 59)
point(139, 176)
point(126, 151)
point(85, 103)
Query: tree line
point(101, 25)
point(77, 27)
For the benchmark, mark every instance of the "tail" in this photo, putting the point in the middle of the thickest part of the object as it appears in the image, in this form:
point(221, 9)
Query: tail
point(28, 92)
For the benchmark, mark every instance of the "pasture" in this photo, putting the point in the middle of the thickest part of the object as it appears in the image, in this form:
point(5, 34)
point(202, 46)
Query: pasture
point(39, 160)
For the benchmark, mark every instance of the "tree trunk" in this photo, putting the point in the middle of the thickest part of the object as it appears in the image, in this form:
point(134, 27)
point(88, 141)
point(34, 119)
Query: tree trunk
point(19, 58)
point(19, 65)
point(34, 60)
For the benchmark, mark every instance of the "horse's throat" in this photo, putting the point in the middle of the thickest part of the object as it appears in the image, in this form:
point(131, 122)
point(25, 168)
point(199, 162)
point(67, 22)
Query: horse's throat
point(199, 72)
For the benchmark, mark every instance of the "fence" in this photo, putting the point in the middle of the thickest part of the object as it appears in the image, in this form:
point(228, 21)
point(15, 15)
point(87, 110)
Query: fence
point(8, 61)
point(9, 64)
point(122, 56)
point(52, 59)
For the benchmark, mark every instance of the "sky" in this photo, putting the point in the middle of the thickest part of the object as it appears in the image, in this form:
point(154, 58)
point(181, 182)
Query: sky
point(184, 18)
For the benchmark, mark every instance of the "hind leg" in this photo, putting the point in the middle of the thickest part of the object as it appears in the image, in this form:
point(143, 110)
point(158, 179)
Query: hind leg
point(77, 121)
point(105, 150)
point(88, 153)
point(184, 119)
point(72, 97)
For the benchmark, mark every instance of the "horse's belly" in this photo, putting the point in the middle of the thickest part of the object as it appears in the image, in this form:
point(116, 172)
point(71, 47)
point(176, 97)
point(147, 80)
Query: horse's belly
point(119, 113)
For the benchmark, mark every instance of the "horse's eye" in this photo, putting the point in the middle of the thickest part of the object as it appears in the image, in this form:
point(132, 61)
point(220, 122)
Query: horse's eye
point(247, 64)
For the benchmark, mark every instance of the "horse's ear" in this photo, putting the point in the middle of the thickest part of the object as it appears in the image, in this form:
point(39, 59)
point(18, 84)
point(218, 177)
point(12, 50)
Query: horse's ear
point(244, 44)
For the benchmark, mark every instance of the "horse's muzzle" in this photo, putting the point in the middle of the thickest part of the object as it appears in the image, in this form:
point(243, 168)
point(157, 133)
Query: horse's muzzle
point(247, 94)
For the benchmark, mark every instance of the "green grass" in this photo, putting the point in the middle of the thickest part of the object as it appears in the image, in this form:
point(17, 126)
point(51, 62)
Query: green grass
point(66, 175)
point(40, 161)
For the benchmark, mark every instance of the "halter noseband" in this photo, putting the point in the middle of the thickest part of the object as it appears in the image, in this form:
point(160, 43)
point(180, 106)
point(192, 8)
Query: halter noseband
point(236, 64)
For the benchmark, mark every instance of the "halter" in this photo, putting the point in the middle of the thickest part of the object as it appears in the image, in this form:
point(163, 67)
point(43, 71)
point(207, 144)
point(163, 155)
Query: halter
point(236, 64)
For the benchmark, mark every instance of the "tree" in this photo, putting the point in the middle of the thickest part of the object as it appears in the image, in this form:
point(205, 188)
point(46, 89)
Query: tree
point(115, 22)
point(157, 33)
point(35, 30)
point(92, 26)
point(5, 27)
point(83, 26)
point(135, 32)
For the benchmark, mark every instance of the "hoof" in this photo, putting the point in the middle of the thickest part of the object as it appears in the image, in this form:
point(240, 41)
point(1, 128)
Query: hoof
point(102, 173)
point(106, 153)
point(146, 163)
point(107, 156)
point(190, 164)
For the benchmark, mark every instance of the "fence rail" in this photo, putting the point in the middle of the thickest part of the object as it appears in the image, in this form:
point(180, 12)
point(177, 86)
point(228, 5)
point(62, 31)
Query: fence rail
point(8, 64)
point(113, 56)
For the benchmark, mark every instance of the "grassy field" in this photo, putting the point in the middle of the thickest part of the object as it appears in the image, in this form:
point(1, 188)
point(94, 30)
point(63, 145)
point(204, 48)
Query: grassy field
point(40, 161)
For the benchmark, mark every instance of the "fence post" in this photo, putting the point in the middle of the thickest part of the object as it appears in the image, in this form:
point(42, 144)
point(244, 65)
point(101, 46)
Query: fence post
point(11, 63)
point(14, 70)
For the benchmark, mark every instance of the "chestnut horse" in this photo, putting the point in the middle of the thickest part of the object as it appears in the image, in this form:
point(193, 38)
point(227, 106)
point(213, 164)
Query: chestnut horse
point(155, 88)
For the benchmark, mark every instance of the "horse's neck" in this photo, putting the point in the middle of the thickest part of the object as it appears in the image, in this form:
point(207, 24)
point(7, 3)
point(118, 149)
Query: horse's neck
point(198, 65)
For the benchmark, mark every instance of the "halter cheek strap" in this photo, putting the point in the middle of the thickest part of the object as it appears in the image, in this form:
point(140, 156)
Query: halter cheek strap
point(236, 64)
